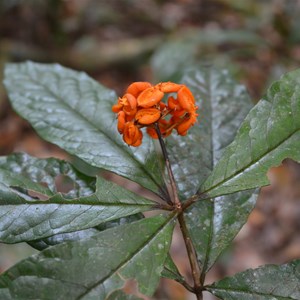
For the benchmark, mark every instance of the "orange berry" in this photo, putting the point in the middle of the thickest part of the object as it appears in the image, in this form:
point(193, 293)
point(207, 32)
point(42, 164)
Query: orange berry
point(139, 140)
point(185, 125)
point(131, 100)
point(152, 132)
point(121, 121)
point(173, 104)
point(178, 113)
point(169, 87)
point(162, 106)
point(128, 102)
point(166, 132)
point(131, 133)
point(150, 97)
point(117, 107)
point(186, 99)
point(137, 87)
point(147, 116)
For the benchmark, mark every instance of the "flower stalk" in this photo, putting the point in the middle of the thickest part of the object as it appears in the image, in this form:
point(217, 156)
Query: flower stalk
point(195, 268)
point(177, 202)
point(142, 106)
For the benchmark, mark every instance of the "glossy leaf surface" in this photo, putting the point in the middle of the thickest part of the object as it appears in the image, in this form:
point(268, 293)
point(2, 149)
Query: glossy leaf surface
point(23, 218)
point(264, 283)
point(213, 224)
point(223, 104)
point(43, 178)
point(269, 134)
point(60, 238)
point(96, 266)
point(73, 111)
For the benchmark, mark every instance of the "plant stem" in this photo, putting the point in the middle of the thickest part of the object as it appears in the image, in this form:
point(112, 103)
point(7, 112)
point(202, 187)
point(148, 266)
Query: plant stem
point(199, 296)
point(192, 256)
point(198, 288)
point(187, 286)
point(177, 202)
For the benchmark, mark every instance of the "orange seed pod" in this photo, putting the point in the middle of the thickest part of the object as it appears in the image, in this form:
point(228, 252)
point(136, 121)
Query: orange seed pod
point(137, 87)
point(152, 132)
point(185, 125)
point(117, 107)
point(139, 140)
point(130, 133)
point(173, 104)
point(147, 116)
point(169, 87)
point(131, 101)
point(150, 97)
point(121, 121)
point(186, 99)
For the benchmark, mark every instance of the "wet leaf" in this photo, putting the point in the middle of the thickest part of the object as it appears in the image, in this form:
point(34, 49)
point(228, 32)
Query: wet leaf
point(96, 266)
point(213, 224)
point(73, 111)
point(223, 104)
point(269, 134)
point(60, 238)
point(44, 177)
point(264, 283)
point(25, 216)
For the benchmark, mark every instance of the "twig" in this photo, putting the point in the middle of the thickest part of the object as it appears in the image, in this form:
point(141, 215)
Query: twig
point(192, 257)
point(198, 288)
point(177, 202)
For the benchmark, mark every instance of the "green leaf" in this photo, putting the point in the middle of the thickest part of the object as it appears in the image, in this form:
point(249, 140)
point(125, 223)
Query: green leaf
point(56, 239)
point(213, 224)
point(73, 111)
point(93, 268)
point(269, 134)
point(23, 218)
point(43, 177)
point(223, 104)
point(264, 283)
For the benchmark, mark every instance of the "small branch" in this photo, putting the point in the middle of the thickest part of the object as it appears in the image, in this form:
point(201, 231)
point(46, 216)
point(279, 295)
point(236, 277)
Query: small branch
point(186, 285)
point(192, 257)
point(190, 201)
point(163, 206)
point(177, 202)
point(198, 288)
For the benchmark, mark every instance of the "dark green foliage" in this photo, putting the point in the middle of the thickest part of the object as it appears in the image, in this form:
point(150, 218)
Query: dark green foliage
point(92, 232)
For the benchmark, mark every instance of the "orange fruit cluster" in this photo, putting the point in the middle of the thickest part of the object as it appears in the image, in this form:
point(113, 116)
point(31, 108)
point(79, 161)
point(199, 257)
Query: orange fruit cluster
point(142, 106)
